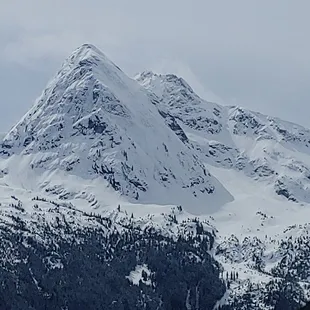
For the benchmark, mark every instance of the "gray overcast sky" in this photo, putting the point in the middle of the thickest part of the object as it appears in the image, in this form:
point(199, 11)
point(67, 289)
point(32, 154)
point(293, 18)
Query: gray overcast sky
point(246, 52)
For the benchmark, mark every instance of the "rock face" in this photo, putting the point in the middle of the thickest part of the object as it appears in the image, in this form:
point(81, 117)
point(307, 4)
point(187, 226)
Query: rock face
point(93, 121)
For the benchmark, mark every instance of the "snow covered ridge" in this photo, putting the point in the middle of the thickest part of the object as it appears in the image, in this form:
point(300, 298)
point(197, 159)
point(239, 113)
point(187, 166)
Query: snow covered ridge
point(265, 148)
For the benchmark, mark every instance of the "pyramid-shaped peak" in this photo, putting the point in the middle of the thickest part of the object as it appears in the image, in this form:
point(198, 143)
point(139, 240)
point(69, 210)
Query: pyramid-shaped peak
point(86, 51)
point(87, 64)
point(88, 54)
point(93, 122)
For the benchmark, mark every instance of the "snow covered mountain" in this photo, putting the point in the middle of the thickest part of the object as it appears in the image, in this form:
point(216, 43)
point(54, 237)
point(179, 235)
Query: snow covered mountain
point(92, 121)
point(264, 148)
point(110, 180)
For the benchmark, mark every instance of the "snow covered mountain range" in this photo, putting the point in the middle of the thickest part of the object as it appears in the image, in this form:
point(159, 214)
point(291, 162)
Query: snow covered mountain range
point(99, 151)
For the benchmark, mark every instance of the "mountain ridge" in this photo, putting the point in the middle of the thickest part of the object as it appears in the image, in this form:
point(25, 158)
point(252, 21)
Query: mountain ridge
point(232, 136)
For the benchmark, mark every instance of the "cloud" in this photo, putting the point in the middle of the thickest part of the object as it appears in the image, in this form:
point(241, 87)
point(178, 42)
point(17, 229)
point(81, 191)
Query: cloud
point(166, 66)
point(253, 51)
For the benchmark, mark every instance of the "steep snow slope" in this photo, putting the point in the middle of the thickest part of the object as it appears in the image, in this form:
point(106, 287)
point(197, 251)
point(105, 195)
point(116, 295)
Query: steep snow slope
point(264, 148)
point(92, 121)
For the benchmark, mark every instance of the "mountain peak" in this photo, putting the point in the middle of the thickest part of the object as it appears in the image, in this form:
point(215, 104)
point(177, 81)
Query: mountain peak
point(87, 52)
point(89, 46)
point(147, 78)
point(94, 122)
point(88, 55)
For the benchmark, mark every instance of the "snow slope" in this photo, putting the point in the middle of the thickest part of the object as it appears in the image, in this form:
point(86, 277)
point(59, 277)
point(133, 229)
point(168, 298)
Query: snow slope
point(265, 239)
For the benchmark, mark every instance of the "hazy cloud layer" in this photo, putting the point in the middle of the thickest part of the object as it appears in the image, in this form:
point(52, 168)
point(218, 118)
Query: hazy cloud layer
point(250, 53)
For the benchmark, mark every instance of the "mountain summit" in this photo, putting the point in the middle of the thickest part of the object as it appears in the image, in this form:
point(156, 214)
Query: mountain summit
point(94, 122)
